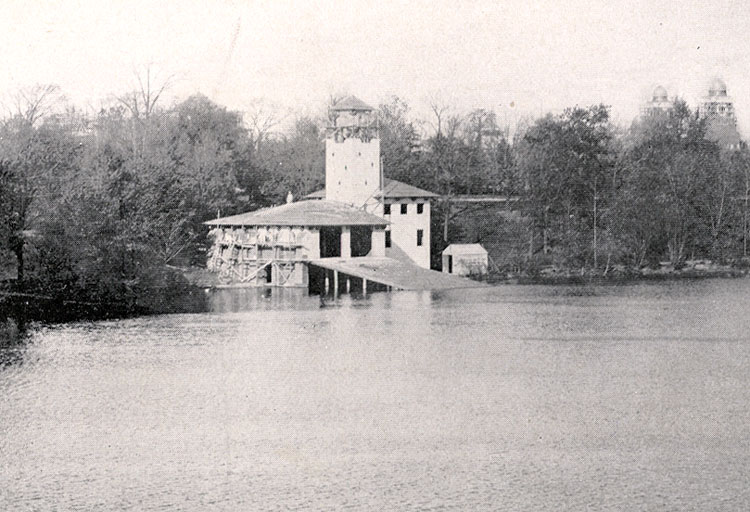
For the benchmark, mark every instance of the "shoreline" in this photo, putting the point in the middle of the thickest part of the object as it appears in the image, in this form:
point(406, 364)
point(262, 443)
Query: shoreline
point(619, 276)
point(36, 308)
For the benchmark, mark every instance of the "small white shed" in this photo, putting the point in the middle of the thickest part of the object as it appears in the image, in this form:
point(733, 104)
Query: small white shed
point(465, 259)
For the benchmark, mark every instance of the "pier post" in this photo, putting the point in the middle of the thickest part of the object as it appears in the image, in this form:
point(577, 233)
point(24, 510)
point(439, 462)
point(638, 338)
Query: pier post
point(364, 287)
point(348, 284)
point(335, 283)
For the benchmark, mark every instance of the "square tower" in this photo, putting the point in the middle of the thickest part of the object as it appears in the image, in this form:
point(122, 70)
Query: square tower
point(718, 109)
point(353, 154)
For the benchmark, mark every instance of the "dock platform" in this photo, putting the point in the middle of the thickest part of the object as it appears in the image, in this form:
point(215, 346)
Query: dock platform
point(398, 275)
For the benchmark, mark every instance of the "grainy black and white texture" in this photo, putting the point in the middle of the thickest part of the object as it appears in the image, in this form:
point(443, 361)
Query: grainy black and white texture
point(596, 152)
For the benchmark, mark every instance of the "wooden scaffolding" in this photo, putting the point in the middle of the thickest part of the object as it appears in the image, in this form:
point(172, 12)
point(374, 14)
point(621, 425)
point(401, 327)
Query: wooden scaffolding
point(260, 256)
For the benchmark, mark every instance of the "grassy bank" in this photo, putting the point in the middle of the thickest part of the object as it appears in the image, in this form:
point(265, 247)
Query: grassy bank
point(552, 276)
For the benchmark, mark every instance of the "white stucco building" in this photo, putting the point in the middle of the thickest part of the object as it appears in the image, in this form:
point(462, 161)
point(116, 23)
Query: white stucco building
point(354, 176)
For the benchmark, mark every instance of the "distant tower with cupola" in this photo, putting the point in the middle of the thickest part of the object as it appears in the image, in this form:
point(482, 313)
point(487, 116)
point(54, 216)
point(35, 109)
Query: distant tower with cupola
point(718, 109)
point(659, 104)
point(353, 154)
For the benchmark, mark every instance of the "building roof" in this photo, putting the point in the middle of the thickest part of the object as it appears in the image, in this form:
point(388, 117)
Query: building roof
point(318, 194)
point(660, 94)
point(464, 249)
point(351, 103)
point(303, 213)
point(401, 275)
point(717, 88)
point(393, 189)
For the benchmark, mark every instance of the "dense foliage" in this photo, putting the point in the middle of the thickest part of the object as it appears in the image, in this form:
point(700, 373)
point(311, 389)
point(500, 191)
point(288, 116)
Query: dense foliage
point(96, 209)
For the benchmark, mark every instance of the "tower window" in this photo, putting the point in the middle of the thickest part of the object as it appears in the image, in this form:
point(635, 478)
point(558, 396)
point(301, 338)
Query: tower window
point(386, 209)
point(420, 208)
point(388, 239)
point(420, 236)
point(403, 208)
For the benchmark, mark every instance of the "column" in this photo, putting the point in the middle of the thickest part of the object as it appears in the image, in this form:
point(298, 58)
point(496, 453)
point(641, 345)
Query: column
point(378, 243)
point(312, 241)
point(346, 242)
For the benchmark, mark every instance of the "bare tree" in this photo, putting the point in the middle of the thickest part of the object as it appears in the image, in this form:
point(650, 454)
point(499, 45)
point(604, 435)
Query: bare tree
point(262, 117)
point(31, 104)
point(142, 100)
point(141, 103)
point(440, 111)
point(29, 159)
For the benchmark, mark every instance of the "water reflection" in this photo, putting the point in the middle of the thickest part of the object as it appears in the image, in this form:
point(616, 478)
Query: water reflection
point(232, 300)
point(13, 336)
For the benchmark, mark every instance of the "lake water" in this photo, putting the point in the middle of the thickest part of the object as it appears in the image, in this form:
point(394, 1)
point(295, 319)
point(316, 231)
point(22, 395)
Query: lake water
point(633, 397)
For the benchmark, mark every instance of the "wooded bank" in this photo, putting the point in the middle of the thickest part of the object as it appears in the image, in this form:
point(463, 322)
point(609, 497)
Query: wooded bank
point(93, 207)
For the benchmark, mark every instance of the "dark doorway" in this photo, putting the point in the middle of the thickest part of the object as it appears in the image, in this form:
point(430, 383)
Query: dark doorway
point(361, 240)
point(450, 264)
point(316, 280)
point(330, 242)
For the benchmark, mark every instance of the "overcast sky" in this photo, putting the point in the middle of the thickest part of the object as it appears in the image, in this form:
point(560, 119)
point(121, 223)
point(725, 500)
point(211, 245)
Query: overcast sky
point(516, 57)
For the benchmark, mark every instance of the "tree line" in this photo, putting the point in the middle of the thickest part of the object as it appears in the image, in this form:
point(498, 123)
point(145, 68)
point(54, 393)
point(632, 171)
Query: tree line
point(101, 208)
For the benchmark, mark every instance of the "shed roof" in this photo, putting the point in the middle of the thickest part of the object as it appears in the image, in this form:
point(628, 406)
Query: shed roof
point(303, 213)
point(393, 189)
point(464, 250)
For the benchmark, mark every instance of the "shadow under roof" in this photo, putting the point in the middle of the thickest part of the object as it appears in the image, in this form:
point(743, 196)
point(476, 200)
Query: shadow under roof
point(303, 213)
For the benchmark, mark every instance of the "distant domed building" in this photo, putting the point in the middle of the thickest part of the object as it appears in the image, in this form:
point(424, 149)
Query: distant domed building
point(718, 108)
point(659, 104)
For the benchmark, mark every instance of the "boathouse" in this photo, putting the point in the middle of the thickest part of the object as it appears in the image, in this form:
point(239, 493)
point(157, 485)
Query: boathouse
point(272, 246)
point(361, 225)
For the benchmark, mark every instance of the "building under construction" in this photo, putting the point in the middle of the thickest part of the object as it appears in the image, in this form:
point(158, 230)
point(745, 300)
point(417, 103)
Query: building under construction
point(361, 232)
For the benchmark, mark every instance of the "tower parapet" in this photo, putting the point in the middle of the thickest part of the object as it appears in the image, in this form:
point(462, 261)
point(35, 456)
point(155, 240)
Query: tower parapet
point(352, 118)
point(352, 153)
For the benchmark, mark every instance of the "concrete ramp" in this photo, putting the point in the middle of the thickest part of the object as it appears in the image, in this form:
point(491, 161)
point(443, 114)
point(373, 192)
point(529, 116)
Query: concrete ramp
point(399, 275)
